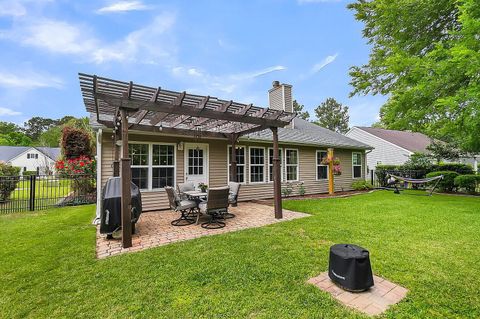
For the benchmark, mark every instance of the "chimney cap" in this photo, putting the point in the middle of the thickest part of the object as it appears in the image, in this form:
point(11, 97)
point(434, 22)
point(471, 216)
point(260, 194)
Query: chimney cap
point(276, 84)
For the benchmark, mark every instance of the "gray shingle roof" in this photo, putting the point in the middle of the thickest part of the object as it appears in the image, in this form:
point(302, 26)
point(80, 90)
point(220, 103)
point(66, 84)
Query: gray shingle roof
point(308, 133)
point(7, 153)
point(304, 132)
point(412, 141)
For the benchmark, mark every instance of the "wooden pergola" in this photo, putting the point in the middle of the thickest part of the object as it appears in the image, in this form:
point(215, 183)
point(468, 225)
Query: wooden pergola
point(124, 106)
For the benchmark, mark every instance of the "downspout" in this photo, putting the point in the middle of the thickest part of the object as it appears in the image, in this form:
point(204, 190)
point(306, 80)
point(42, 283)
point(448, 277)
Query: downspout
point(96, 221)
point(366, 166)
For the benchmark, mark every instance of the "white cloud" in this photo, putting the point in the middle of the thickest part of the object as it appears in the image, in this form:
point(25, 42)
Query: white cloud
point(318, 66)
point(61, 37)
point(123, 6)
point(12, 8)
point(221, 84)
point(4, 111)
point(29, 80)
point(56, 36)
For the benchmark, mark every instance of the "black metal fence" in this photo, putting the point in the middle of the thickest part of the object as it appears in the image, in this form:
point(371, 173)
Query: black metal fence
point(379, 178)
point(30, 193)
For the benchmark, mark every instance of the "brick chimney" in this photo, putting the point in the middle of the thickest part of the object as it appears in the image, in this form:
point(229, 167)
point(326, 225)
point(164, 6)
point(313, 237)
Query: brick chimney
point(280, 97)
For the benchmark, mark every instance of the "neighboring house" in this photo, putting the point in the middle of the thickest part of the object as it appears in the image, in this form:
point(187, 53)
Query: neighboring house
point(393, 147)
point(159, 159)
point(28, 158)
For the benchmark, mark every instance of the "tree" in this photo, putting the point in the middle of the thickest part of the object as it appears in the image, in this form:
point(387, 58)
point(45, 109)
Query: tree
point(425, 56)
point(35, 126)
point(300, 112)
point(439, 151)
point(7, 127)
point(332, 115)
point(51, 137)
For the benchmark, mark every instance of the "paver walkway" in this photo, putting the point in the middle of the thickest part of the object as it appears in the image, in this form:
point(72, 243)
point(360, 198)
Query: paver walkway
point(372, 302)
point(154, 228)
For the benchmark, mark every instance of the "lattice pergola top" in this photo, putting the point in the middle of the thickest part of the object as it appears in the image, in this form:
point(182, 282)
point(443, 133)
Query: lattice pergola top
point(155, 109)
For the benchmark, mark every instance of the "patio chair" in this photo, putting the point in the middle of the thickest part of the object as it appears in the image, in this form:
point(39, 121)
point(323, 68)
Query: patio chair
point(185, 207)
point(232, 197)
point(185, 187)
point(215, 206)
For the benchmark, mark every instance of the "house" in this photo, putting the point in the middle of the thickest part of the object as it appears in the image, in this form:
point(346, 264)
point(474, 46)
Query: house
point(30, 158)
point(161, 157)
point(393, 147)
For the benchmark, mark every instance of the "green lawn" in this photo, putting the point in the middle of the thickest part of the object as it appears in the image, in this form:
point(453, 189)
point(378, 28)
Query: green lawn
point(430, 245)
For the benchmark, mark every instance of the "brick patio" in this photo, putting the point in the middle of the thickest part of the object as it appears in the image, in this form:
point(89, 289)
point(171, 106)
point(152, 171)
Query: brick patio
point(372, 302)
point(154, 228)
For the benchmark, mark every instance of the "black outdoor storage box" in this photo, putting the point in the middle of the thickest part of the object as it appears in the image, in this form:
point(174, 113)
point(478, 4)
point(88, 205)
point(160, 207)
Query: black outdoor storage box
point(349, 267)
point(111, 214)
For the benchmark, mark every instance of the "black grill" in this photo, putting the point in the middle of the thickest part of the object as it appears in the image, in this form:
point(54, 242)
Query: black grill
point(111, 216)
point(349, 267)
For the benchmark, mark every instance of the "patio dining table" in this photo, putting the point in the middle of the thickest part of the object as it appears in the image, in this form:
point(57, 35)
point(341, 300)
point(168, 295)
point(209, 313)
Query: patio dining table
point(195, 194)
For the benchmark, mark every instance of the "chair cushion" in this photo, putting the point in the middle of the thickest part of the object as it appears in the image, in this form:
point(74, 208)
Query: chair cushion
point(185, 204)
point(234, 188)
point(202, 206)
point(232, 198)
point(185, 187)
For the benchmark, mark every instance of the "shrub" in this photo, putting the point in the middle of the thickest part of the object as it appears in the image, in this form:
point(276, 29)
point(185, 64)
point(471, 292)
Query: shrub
point(361, 185)
point(29, 173)
point(389, 167)
point(460, 168)
point(447, 184)
point(418, 161)
point(75, 143)
point(82, 170)
point(467, 182)
point(9, 177)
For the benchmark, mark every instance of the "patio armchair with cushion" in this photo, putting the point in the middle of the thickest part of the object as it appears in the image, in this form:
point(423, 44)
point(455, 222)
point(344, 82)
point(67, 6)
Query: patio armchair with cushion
point(215, 206)
point(232, 197)
point(184, 206)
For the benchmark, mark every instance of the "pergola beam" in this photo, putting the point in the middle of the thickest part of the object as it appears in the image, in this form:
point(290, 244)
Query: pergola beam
point(169, 108)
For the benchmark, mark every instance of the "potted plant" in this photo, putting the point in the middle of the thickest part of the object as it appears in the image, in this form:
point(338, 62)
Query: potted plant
point(203, 187)
point(337, 169)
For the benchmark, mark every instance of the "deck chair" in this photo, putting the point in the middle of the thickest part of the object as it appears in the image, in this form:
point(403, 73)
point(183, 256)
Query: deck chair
point(215, 206)
point(185, 207)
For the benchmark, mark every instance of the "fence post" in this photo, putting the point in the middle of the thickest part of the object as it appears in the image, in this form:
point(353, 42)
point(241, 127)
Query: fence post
point(372, 177)
point(33, 179)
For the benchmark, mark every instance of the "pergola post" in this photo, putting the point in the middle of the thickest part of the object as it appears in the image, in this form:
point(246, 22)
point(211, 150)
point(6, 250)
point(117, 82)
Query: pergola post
point(126, 179)
point(277, 186)
point(331, 184)
point(233, 159)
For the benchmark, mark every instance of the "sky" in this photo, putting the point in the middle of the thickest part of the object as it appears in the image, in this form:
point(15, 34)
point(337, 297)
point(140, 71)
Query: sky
point(227, 49)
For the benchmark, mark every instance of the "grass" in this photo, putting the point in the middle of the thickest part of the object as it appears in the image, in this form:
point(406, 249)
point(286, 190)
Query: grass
point(427, 244)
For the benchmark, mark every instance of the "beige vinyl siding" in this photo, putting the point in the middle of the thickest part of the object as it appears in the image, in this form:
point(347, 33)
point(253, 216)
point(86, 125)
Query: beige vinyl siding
point(218, 168)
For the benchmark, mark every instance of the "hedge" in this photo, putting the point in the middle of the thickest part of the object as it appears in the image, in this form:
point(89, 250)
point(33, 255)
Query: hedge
point(460, 168)
point(447, 184)
point(8, 180)
point(469, 183)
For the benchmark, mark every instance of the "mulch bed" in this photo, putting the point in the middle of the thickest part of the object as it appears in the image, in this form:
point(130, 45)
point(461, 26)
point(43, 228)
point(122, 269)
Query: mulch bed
point(314, 196)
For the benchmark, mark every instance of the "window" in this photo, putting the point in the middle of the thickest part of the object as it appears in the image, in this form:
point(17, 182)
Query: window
point(322, 169)
point(357, 165)
point(257, 165)
point(153, 165)
point(139, 155)
point(270, 164)
point(163, 166)
point(32, 156)
point(240, 154)
point(195, 161)
point(291, 161)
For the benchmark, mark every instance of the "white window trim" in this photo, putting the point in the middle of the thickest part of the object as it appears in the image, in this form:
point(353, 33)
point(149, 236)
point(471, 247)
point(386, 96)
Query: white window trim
point(287, 165)
point(318, 165)
point(353, 165)
point(244, 165)
point(150, 165)
point(250, 165)
point(282, 177)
